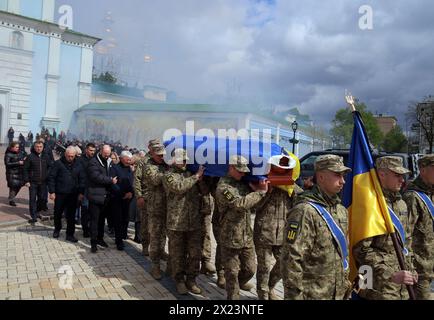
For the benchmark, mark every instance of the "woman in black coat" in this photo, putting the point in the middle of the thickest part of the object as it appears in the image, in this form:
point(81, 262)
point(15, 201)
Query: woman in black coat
point(14, 162)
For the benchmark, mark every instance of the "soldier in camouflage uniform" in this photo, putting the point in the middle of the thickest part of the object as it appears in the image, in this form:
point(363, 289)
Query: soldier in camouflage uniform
point(155, 199)
point(311, 262)
point(235, 201)
point(422, 226)
point(207, 209)
point(139, 189)
point(184, 222)
point(268, 233)
point(378, 252)
point(216, 226)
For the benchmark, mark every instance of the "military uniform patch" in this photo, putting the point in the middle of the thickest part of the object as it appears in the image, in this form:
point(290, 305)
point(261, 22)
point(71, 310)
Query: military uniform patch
point(293, 228)
point(228, 195)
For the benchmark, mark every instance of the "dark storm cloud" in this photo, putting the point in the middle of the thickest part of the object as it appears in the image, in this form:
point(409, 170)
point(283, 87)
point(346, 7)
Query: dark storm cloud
point(294, 53)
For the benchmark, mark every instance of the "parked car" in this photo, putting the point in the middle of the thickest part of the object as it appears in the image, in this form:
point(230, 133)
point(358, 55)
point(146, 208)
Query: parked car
point(307, 161)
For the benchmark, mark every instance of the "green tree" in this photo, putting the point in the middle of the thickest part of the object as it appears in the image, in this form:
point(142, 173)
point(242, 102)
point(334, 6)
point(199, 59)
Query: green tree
point(107, 77)
point(395, 141)
point(343, 127)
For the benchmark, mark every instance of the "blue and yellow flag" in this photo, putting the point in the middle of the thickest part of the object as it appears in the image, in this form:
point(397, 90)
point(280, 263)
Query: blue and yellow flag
point(363, 197)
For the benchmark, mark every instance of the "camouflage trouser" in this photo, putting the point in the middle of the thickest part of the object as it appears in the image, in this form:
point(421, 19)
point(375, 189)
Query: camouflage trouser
point(423, 288)
point(157, 236)
point(206, 239)
point(239, 265)
point(185, 252)
point(267, 275)
point(144, 227)
point(218, 251)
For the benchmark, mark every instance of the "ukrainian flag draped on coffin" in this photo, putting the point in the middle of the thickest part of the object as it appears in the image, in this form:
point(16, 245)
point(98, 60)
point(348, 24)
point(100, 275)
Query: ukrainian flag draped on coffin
point(363, 196)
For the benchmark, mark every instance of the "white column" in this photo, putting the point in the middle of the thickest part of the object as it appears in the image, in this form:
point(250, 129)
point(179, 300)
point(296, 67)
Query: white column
point(51, 118)
point(14, 6)
point(48, 10)
point(84, 85)
point(278, 133)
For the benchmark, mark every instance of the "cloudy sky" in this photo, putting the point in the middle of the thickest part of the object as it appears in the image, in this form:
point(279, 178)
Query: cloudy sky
point(276, 52)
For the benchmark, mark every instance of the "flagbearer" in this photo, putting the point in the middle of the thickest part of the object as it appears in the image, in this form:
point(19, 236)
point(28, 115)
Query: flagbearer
point(419, 198)
point(314, 261)
point(388, 281)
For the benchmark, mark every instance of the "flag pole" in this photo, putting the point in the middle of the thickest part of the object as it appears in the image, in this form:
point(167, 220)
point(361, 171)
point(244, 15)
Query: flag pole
point(398, 249)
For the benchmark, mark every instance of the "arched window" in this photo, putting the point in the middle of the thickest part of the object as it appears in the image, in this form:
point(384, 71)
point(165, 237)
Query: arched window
point(17, 41)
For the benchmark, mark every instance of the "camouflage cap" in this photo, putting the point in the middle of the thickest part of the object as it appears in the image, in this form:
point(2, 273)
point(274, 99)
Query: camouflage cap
point(392, 163)
point(331, 162)
point(158, 149)
point(240, 163)
point(180, 155)
point(426, 160)
point(153, 142)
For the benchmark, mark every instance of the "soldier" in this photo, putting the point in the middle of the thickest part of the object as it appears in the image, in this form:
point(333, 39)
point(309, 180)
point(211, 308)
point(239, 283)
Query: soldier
point(207, 209)
point(313, 263)
point(378, 252)
point(184, 222)
point(419, 198)
point(139, 190)
point(155, 199)
point(216, 227)
point(269, 231)
point(235, 202)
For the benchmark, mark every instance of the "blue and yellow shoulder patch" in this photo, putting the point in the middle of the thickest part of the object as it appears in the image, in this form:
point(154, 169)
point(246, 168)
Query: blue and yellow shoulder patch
point(293, 229)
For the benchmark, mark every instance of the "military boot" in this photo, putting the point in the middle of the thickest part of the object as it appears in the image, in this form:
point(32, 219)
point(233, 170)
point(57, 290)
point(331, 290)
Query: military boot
point(145, 250)
point(168, 270)
point(207, 268)
point(193, 287)
point(156, 272)
point(221, 281)
point(272, 295)
point(246, 286)
point(262, 295)
point(181, 288)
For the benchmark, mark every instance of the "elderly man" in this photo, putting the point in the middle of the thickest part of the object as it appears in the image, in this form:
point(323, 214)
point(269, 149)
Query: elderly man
point(66, 184)
point(122, 193)
point(184, 222)
point(419, 198)
point(378, 252)
point(314, 265)
point(99, 184)
point(235, 202)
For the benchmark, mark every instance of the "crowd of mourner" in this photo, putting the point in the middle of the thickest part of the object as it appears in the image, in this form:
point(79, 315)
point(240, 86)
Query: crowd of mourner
point(99, 181)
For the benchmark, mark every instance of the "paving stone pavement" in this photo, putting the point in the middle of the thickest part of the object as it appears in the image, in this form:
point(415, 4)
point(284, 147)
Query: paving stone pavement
point(33, 265)
point(36, 266)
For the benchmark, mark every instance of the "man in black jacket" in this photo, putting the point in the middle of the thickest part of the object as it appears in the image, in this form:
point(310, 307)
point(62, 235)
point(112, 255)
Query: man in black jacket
point(36, 168)
point(122, 193)
point(85, 218)
point(66, 185)
point(99, 185)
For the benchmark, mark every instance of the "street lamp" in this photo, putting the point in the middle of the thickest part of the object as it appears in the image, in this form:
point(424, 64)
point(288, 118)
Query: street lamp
point(294, 127)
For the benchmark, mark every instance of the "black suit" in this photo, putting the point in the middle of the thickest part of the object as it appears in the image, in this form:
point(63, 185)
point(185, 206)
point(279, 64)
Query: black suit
point(67, 181)
point(98, 189)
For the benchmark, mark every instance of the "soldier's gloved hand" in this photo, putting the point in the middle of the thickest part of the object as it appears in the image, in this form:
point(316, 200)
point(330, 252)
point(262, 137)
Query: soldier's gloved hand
point(141, 202)
point(403, 277)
